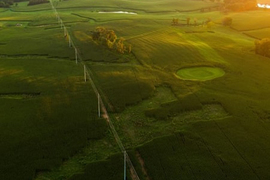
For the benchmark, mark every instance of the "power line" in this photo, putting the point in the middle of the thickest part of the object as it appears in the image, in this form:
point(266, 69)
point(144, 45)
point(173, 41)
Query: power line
point(101, 106)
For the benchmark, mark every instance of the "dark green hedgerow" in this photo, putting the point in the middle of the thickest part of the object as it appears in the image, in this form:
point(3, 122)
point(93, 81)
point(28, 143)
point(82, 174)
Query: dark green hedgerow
point(171, 109)
point(128, 94)
point(110, 169)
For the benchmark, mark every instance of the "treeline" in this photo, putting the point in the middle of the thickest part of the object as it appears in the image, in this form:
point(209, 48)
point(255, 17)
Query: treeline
point(108, 38)
point(5, 3)
point(34, 2)
point(262, 47)
point(8, 3)
point(240, 5)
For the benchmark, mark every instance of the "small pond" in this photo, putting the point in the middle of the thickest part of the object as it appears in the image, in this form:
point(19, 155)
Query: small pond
point(118, 12)
point(200, 73)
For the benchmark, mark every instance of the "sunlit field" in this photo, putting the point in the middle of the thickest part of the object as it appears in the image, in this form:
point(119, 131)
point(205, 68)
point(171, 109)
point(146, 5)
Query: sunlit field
point(190, 101)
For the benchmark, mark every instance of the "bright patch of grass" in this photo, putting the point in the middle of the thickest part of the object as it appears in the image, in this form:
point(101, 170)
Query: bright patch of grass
point(260, 33)
point(256, 19)
point(200, 73)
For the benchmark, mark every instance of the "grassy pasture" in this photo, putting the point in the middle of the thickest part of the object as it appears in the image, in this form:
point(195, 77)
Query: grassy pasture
point(51, 42)
point(213, 129)
point(200, 73)
point(190, 155)
point(22, 7)
point(214, 147)
point(260, 33)
point(147, 6)
point(29, 123)
point(256, 20)
point(123, 85)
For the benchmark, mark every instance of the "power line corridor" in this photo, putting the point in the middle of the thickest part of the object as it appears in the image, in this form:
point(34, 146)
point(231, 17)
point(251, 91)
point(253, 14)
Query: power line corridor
point(101, 106)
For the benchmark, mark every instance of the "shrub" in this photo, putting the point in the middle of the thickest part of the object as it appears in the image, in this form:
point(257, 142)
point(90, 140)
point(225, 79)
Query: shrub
point(108, 38)
point(262, 47)
point(173, 108)
point(109, 169)
point(227, 21)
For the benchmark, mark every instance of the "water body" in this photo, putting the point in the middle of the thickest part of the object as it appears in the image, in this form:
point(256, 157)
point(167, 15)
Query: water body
point(118, 12)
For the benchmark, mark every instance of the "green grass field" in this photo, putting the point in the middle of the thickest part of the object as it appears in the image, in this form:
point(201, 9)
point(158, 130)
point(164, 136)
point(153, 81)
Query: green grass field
point(200, 73)
point(172, 128)
point(41, 99)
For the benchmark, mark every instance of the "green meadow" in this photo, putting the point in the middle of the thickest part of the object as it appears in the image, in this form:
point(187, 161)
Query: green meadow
point(189, 101)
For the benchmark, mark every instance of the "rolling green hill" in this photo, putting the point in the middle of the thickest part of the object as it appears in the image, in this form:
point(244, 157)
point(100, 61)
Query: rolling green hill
point(172, 128)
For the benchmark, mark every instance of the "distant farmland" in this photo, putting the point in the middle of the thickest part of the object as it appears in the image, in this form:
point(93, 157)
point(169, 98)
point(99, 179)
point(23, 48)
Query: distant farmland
point(190, 101)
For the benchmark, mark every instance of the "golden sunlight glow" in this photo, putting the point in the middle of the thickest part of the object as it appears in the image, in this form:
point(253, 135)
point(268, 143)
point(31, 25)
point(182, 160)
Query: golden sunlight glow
point(263, 6)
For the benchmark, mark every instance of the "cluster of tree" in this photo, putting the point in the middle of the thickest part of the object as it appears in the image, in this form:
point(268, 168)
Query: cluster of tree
point(194, 21)
point(108, 38)
point(8, 3)
point(262, 47)
point(175, 21)
point(240, 5)
point(227, 21)
point(34, 2)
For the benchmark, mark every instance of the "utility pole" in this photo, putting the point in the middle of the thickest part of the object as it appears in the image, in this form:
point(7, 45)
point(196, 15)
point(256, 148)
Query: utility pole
point(76, 55)
point(69, 40)
point(65, 31)
point(98, 105)
point(125, 165)
point(84, 67)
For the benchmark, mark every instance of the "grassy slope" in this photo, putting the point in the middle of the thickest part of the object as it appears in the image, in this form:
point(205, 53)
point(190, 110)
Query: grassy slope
point(39, 132)
point(240, 132)
point(47, 128)
point(257, 20)
point(242, 94)
point(257, 25)
point(148, 6)
point(260, 33)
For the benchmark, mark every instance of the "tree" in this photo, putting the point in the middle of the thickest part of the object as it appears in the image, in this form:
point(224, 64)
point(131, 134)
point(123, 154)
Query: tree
point(108, 38)
point(188, 20)
point(210, 24)
point(111, 36)
point(109, 44)
point(195, 21)
point(175, 21)
point(6, 3)
point(129, 48)
point(262, 47)
point(227, 21)
point(120, 45)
